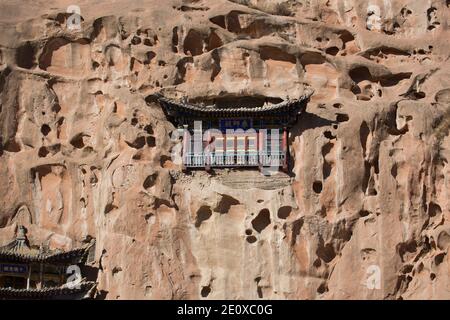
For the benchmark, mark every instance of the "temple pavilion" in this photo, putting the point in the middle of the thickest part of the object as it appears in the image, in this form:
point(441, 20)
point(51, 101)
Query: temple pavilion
point(234, 132)
point(30, 272)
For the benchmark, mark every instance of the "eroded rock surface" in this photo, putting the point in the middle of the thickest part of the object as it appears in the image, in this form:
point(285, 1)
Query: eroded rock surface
point(85, 151)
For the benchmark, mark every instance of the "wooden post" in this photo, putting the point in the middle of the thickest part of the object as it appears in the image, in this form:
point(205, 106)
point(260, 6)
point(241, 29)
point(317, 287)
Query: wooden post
point(41, 280)
point(257, 142)
point(61, 275)
point(260, 148)
point(29, 276)
point(207, 154)
point(224, 144)
point(246, 153)
point(224, 156)
point(257, 148)
point(186, 142)
point(284, 148)
point(235, 149)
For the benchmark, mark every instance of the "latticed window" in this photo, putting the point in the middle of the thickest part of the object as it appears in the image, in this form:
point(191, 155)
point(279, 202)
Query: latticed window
point(264, 147)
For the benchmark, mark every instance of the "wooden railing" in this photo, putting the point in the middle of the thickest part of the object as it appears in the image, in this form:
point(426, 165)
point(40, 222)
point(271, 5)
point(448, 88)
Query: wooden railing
point(237, 159)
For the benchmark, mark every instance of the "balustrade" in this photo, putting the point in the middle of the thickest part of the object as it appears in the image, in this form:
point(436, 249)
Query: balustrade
point(240, 152)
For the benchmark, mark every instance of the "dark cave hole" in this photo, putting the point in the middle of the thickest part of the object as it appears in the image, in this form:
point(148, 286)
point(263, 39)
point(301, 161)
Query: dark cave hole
point(206, 290)
point(261, 221)
point(203, 214)
point(45, 129)
point(317, 186)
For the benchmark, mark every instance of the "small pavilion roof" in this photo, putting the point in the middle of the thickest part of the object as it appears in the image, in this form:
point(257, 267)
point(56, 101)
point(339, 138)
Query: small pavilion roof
point(20, 251)
point(85, 289)
point(177, 109)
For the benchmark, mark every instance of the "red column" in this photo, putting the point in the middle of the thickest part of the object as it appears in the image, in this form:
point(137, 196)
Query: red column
point(284, 148)
point(224, 143)
point(225, 148)
point(257, 147)
point(260, 146)
point(208, 151)
point(186, 141)
point(235, 149)
point(257, 142)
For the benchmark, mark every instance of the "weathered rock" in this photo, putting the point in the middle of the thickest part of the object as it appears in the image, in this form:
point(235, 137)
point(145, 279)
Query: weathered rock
point(85, 151)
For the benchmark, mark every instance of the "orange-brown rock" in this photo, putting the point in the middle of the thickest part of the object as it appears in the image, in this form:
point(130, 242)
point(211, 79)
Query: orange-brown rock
point(85, 152)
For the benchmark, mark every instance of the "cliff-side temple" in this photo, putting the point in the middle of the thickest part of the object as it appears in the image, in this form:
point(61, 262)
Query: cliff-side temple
point(30, 272)
point(235, 132)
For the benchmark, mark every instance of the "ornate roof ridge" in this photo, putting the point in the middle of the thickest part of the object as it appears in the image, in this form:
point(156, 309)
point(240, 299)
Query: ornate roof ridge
point(215, 108)
point(83, 286)
point(20, 250)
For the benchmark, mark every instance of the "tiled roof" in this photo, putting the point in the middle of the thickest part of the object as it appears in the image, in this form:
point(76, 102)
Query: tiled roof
point(173, 106)
point(85, 288)
point(20, 251)
point(74, 256)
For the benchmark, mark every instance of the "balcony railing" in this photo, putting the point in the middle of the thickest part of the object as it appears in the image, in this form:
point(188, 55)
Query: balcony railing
point(237, 159)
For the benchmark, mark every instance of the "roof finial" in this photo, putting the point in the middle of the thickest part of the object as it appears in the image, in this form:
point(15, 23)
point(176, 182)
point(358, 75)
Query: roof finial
point(21, 241)
point(21, 233)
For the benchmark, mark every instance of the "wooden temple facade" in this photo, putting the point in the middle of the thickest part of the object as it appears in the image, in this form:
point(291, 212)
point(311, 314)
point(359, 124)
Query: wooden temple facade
point(28, 272)
point(245, 132)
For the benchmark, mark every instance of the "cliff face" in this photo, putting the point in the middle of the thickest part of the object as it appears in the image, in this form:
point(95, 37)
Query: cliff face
point(85, 152)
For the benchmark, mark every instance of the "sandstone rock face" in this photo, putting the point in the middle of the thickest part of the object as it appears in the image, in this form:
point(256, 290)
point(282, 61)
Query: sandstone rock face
point(85, 152)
